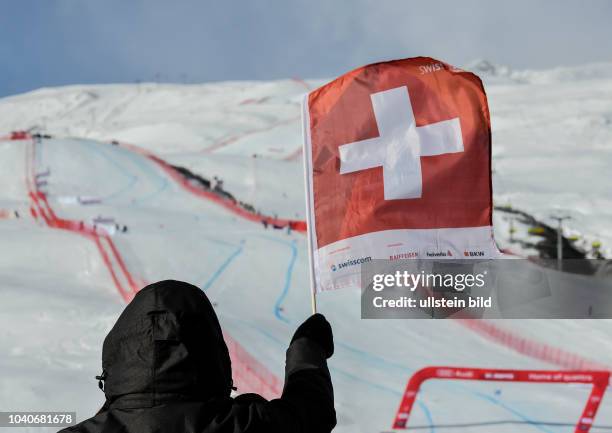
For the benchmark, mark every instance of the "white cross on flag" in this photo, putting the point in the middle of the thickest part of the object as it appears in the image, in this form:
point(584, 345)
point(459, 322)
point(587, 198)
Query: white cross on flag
point(398, 166)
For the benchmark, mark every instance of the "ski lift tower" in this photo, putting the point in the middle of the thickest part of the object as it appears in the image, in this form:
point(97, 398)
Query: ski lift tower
point(560, 220)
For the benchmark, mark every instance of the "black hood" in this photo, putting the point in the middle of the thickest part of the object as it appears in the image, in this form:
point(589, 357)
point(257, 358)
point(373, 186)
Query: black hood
point(167, 345)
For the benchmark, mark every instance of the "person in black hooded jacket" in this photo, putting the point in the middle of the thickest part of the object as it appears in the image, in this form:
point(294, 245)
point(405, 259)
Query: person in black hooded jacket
point(166, 369)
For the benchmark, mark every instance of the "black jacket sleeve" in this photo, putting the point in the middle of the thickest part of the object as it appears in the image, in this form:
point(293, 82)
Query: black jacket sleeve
point(307, 402)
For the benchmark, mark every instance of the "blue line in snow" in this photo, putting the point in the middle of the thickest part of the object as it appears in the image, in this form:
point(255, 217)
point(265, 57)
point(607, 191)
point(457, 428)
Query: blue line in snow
point(427, 413)
point(223, 266)
point(356, 378)
point(147, 166)
point(513, 411)
point(373, 358)
point(132, 179)
point(288, 275)
point(164, 186)
point(137, 160)
point(285, 291)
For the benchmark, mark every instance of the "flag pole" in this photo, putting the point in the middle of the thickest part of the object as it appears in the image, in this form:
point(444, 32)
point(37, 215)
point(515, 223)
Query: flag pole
point(313, 301)
point(313, 288)
point(306, 151)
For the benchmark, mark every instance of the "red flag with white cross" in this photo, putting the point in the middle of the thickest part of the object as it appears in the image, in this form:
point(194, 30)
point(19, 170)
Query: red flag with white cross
point(398, 166)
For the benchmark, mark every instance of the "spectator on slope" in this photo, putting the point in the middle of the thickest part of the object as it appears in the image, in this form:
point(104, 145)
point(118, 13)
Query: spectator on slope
point(166, 368)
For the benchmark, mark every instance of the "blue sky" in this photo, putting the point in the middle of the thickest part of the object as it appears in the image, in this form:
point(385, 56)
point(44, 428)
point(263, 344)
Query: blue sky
point(57, 42)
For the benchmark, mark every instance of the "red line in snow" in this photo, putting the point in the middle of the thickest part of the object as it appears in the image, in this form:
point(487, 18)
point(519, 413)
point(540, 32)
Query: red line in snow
point(127, 297)
point(232, 139)
point(121, 263)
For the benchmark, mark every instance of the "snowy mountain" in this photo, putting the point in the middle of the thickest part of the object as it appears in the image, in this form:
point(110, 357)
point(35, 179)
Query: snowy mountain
point(551, 135)
point(97, 220)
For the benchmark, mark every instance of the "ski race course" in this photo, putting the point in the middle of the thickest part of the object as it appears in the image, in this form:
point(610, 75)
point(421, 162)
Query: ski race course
point(102, 211)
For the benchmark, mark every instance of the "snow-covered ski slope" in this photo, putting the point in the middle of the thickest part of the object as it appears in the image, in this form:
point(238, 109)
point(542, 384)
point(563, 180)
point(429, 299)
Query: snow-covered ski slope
point(58, 297)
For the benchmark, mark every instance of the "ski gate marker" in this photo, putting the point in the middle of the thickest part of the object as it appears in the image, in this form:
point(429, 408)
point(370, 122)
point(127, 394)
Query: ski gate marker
point(599, 380)
point(397, 163)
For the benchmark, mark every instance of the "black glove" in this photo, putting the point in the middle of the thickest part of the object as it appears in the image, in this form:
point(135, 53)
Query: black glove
point(317, 329)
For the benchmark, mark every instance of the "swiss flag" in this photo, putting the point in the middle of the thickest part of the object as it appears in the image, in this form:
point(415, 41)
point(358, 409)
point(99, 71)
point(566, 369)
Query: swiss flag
point(402, 147)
